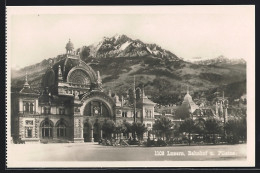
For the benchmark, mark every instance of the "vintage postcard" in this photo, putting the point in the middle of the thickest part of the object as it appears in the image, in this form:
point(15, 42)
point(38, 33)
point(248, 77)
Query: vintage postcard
point(130, 86)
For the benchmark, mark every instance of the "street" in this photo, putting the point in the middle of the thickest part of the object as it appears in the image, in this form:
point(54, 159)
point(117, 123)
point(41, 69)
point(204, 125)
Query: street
point(95, 152)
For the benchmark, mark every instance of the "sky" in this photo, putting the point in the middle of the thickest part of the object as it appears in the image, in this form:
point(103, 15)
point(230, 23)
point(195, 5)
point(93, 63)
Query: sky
point(37, 33)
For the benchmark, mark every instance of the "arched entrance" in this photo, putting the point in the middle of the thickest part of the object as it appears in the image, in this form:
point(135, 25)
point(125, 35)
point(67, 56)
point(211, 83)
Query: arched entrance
point(87, 132)
point(96, 108)
point(97, 132)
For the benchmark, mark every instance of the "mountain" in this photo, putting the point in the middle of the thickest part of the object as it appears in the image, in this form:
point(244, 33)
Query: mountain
point(220, 60)
point(164, 75)
point(123, 46)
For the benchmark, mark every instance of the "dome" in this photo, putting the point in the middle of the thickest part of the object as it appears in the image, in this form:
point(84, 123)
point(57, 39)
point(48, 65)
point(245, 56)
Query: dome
point(69, 46)
point(187, 97)
point(188, 102)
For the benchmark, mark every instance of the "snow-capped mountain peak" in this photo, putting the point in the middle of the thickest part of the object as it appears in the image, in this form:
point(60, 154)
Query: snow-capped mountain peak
point(123, 46)
point(219, 60)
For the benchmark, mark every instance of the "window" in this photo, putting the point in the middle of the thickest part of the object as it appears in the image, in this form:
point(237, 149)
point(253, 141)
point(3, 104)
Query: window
point(47, 129)
point(62, 111)
point(61, 130)
point(28, 132)
point(46, 110)
point(149, 125)
point(124, 114)
point(28, 107)
point(29, 122)
point(31, 108)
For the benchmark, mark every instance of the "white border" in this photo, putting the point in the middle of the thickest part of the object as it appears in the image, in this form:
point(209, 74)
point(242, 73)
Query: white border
point(135, 10)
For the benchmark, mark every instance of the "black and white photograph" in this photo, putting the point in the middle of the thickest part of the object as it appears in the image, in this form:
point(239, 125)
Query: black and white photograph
point(130, 86)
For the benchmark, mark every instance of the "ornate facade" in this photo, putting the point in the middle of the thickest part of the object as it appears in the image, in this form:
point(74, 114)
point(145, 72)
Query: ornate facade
point(72, 105)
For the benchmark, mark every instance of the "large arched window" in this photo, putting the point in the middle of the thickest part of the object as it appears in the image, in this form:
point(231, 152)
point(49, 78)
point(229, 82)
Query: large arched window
point(47, 129)
point(79, 76)
point(61, 129)
point(96, 108)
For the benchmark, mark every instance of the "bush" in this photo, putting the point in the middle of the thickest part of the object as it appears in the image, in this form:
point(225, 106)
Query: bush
point(133, 142)
point(160, 143)
point(233, 139)
point(150, 143)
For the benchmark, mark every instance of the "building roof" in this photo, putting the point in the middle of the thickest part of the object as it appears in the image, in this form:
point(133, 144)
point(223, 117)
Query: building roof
point(148, 101)
point(188, 102)
point(26, 87)
point(145, 100)
point(27, 90)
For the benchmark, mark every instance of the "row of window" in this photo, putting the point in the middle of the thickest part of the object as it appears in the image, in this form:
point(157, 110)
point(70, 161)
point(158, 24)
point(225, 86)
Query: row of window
point(124, 114)
point(148, 114)
point(47, 110)
point(47, 130)
point(28, 107)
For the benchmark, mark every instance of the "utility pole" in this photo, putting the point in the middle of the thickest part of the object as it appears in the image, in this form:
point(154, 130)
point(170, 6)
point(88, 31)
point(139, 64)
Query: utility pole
point(223, 109)
point(134, 101)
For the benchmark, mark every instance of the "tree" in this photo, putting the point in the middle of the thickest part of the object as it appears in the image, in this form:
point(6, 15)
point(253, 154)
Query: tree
point(84, 54)
point(213, 127)
point(139, 129)
point(200, 126)
point(108, 128)
point(119, 129)
point(126, 128)
point(182, 112)
point(242, 131)
point(189, 127)
point(236, 128)
point(163, 125)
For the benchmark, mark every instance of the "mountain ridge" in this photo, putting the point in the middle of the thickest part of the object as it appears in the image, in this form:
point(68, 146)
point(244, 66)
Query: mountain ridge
point(163, 74)
point(219, 60)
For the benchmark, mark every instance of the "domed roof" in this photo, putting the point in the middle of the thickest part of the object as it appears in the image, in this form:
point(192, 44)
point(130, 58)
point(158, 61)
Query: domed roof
point(188, 102)
point(187, 97)
point(69, 45)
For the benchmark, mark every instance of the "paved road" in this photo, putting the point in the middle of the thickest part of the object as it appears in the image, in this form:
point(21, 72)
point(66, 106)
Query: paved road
point(95, 152)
